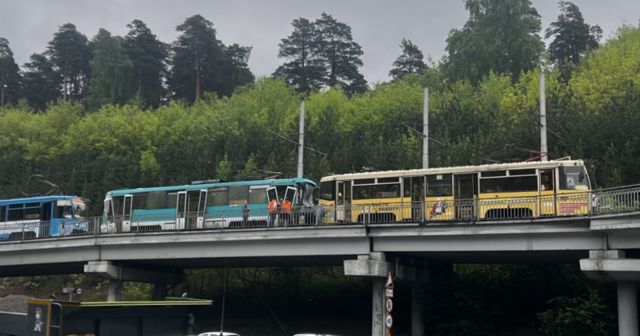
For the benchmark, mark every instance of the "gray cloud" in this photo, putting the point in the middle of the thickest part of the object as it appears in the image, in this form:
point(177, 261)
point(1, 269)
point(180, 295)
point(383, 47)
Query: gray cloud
point(377, 25)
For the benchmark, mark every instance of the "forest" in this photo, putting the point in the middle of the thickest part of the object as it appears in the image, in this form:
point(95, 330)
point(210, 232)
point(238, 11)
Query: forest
point(115, 112)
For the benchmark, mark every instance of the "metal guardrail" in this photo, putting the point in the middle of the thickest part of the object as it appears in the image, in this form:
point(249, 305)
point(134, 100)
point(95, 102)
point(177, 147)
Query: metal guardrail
point(591, 203)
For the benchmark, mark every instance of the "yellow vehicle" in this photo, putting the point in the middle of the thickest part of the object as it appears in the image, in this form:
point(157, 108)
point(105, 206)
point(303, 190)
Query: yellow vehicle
point(493, 191)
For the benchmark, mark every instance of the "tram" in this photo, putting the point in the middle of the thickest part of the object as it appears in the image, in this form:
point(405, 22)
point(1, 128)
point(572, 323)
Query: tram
point(492, 191)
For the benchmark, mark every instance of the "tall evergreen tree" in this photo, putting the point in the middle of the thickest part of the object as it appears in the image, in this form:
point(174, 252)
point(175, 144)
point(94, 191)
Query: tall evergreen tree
point(149, 56)
point(41, 83)
point(573, 36)
point(500, 36)
point(70, 52)
point(111, 72)
point(304, 70)
point(340, 55)
point(196, 60)
point(411, 60)
point(10, 79)
point(237, 57)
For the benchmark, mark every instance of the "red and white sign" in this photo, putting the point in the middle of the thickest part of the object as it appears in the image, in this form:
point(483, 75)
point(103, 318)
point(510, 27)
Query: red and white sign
point(389, 305)
point(389, 321)
point(389, 283)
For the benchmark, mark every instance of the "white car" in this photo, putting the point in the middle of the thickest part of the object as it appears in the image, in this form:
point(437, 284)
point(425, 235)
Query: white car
point(217, 333)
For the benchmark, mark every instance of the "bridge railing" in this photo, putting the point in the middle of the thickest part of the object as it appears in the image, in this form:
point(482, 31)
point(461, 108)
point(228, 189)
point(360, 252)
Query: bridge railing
point(442, 211)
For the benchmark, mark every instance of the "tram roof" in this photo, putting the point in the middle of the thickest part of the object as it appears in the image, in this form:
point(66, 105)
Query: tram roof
point(456, 170)
point(37, 199)
point(274, 182)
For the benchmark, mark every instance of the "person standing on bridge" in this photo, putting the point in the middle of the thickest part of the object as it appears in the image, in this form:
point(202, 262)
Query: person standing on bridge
point(245, 214)
point(273, 211)
point(286, 210)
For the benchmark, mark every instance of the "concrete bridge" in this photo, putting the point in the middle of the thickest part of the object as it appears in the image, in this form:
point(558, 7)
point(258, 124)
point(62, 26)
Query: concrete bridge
point(604, 245)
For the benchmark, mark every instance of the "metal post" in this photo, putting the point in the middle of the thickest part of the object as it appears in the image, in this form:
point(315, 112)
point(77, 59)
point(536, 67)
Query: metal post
point(301, 142)
point(378, 327)
point(627, 309)
point(417, 317)
point(425, 131)
point(543, 118)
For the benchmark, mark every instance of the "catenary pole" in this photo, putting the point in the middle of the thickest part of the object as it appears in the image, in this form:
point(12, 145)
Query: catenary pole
point(543, 118)
point(301, 142)
point(425, 131)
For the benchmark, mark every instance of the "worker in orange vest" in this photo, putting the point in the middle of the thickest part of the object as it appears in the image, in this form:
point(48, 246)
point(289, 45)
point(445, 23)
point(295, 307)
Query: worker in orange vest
point(273, 211)
point(286, 210)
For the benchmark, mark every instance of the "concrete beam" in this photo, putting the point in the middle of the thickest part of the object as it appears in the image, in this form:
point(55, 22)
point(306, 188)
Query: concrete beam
point(109, 271)
point(610, 266)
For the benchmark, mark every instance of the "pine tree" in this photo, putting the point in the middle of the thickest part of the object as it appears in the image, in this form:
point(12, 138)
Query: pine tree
point(304, 70)
point(149, 56)
point(499, 36)
point(340, 55)
point(573, 37)
point(70, 52)
point(10, 79)
point(237, 58)
point(411, 60)
point(41, 82)
point(111, 72)
point(196, 60)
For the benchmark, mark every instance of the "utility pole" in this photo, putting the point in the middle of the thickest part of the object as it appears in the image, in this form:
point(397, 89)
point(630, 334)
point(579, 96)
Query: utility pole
point(543, 118)
point(301, 142)
point(425, 131)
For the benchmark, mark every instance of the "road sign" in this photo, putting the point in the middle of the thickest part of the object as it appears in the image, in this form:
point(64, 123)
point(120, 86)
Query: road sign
point(389, 305)
point(71, 290)
point(388, 332)
point(388, 292)
point(389, 321)
point(389, 283)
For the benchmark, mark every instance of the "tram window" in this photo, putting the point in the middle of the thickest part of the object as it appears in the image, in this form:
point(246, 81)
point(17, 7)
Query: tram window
point(257, 196)
point(509, 184)
point(387, 191)
point(3, 214)
point(365, 181)
point(328, 190)
point(573, 178)
point(494, 173)
point(117, 204)
point(155, 200)
point(171, 200)
point(15, 215)
point(218, 197)
point(63, 209)
point(363, 192)
point(439, 185)
point(388, 180)
point(522, 172)
point(546, 180)
point(238, 195)
point(32, 213)
point(139, 201)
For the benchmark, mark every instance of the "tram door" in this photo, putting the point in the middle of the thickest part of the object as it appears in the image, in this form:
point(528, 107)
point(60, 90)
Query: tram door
point(126, 215)
point(464, 192)
point(202, 208)
point(342, 202)
point(181, 210)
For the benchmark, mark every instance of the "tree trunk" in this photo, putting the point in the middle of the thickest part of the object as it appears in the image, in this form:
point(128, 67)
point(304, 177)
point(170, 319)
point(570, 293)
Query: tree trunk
point(64, 85)
point(197, 84)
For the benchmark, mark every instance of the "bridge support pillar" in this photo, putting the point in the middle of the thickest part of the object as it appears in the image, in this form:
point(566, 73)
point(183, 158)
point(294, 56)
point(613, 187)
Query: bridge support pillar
point(115, 291)
point(417, 314)
point(378, 327)
point(627, 309)
point(117, 274)
point(613, 266)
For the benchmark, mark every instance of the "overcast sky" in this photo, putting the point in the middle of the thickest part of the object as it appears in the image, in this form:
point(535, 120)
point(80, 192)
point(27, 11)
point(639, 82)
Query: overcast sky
point(377, 25)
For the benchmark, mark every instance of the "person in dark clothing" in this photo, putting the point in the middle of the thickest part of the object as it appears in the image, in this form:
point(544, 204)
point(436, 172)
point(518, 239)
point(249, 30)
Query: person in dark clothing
point(245, 214)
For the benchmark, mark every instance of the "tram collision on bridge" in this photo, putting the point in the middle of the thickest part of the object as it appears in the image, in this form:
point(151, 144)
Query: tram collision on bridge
point(43, 216)
point(492, 191)
point(203, 204)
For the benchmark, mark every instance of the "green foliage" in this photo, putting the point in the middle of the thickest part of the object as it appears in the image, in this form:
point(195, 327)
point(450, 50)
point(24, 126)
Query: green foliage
point(570, 316)
point(410, 62)
point(225, 169)
point(10, 78)
point(500, 36)
point(69, 51)
point(111, 72)
point(573, 37)
point(41, 82)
